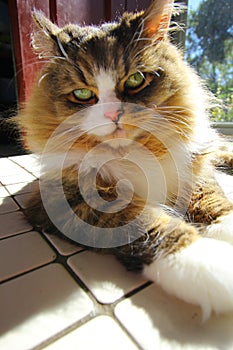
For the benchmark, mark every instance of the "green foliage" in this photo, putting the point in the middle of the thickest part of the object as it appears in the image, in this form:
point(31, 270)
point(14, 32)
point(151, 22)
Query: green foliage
point(214, 28)
point(209, 45)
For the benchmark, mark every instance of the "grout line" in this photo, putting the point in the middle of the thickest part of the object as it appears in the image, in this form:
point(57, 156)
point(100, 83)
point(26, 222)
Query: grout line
point(27, 272)
point(24, 168)
point(125, 330)
point(14, 234)
point(65, 331)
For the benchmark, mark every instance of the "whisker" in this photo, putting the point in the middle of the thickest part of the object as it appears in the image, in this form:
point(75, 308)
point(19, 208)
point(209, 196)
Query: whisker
point(177, 108)
point(41, 78)
point(174, 117)
point(170, 116)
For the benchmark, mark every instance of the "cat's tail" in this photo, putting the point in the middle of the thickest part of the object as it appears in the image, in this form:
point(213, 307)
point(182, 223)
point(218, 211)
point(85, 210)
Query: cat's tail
point(201, 274)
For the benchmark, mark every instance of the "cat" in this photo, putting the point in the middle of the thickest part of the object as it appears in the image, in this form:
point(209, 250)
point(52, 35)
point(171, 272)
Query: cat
point(120, 122)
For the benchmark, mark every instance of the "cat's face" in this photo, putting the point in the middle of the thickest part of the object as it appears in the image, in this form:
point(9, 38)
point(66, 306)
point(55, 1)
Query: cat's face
point(105, 76)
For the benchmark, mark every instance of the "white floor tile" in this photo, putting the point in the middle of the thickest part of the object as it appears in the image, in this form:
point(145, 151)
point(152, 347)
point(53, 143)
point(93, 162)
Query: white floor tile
point(7, 205)
point(7, 167)
point(12, 224)
point(29, 162)
point(23, 199)
point(23, 187)
point(23, 253)
point(226, 182)
point(3, 192)
point(63, 246)
point(159, 321)
point(18, 177)
point(101, 333)
point(36, 306)
point(104, 275)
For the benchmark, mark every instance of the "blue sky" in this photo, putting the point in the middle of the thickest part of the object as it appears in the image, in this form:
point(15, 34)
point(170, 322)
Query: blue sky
point(193, 4)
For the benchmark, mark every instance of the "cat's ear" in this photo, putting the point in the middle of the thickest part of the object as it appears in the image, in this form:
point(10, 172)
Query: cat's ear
point(156, 19)
point(44, 23)
point(48, 39)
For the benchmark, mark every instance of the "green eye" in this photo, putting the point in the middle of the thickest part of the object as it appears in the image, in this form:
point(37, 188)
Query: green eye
point(83, 94)
point(135, 80)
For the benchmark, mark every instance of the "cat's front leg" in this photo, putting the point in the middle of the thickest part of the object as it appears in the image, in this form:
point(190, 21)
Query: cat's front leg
point(210, 207)
point(200, 274)
point(221, 229)
point(195, 269)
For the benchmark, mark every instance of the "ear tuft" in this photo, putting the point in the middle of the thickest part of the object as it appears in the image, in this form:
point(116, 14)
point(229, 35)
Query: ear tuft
point(49, 39)
point(157, 19)
point(44, 23)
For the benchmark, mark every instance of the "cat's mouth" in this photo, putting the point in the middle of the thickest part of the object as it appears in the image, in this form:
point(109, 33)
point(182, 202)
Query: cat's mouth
point(121, 137)
point(119, 133)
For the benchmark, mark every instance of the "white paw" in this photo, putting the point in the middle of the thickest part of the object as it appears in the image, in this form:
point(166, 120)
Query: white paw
point(200, 274)
point(222, 230)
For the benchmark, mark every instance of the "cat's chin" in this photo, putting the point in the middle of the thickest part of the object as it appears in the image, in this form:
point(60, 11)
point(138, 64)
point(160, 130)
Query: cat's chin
point(120, 133)
point(118, 139)
point(117, 142)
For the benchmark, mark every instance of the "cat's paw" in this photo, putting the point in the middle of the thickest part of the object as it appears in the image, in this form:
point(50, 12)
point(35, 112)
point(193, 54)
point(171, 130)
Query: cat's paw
point(222, 229)
point(201, 274)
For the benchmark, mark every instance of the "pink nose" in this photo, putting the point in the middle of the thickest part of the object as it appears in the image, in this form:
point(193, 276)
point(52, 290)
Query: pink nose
point(113, 115)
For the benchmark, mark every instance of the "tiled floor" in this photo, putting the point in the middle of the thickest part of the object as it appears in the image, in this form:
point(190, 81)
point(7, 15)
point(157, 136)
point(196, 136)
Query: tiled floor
point(54, 295)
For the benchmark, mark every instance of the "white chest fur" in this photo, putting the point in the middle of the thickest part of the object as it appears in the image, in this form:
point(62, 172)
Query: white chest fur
point(153, 180)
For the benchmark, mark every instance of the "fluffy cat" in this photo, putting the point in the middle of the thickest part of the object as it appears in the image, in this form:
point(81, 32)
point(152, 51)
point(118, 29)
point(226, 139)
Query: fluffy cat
point(120, 122)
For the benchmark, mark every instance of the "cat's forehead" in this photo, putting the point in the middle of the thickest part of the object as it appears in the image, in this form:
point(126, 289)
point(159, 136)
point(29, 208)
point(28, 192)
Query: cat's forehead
point(99, 51)
point(83, 34)
point(105, 47)
point(118, 28)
